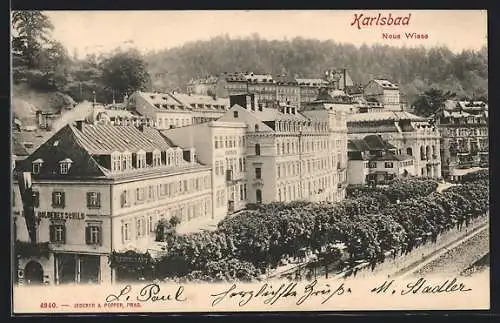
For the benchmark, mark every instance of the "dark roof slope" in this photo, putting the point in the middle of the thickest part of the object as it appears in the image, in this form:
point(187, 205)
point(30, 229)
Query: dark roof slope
point(64, 144)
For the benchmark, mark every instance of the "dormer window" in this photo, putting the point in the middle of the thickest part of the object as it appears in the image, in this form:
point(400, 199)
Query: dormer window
point(156, 158)
point(64, 166)
point(141, 159)
point(37, 164)
point(126, 160)
point(115, 161)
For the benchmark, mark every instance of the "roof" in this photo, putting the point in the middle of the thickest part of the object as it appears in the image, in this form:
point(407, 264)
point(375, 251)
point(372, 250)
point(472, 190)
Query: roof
point(357, 145)
point(161, 99)
point(385, 84)
point(311, 81)
point(269, 114)
point(384, 115)
point(285, 79)
point(101, 139)
point(389, 156)
point(189, 99)
point(260, 78)
point(375, 142)
point(17, 148)
point(30, 140)
point(80, 146)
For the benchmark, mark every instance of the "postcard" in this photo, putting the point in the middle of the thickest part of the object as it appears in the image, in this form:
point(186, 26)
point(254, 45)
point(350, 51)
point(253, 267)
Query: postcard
point(239, 161)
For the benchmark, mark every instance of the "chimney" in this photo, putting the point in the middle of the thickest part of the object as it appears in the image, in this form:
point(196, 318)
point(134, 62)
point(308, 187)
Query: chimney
point(79, 125)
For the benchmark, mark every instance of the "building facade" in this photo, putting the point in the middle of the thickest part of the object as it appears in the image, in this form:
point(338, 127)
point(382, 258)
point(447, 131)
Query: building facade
point(385, 92)
point(99, 189)
point(172, 110)
point(374, 161)
point(410, 134)
point(292, 155)
point(463, 126)
point(221, 146)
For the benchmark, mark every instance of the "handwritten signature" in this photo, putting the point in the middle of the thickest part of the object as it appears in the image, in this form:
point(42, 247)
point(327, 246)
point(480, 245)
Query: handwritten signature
point(148, 293)
point(422, 286)
point(270, 295)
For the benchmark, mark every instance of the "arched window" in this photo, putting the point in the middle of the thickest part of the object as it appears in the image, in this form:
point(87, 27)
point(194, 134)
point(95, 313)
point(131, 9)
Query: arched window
point(422, 153)
point(257, 149)
point(256, 128)
point(427, 152)
point(409, 151)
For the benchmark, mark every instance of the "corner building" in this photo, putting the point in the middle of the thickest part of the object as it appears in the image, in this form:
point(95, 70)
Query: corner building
point(99, 189)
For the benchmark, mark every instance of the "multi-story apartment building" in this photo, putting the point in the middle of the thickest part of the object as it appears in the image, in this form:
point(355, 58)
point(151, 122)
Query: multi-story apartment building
point(171, 110)
point(292, 155)
point(463, 126)
point(268, 88)
point(99, 189)
point(373, 160)
point(222, 146)
point(310, 88)
point(385, 92)
point(410, 134)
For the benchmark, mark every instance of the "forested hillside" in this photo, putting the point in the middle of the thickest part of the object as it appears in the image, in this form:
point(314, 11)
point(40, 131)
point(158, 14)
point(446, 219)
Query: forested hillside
point(415, 69)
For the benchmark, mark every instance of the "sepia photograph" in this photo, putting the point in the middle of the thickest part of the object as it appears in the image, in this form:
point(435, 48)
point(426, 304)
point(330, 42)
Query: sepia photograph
point(257, 160)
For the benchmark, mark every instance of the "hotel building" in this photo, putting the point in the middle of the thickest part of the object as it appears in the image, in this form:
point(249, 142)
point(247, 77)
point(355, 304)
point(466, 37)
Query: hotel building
point(99, 189)
point(292, 155)
point(463, 126)
point(410, 134)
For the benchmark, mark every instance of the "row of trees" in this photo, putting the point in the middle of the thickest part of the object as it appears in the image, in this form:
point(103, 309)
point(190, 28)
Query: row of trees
point(397, 218)
point(45, 64)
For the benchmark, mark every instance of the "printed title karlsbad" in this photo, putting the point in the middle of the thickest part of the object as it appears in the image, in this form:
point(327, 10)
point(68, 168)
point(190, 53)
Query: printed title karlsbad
point(362, 21)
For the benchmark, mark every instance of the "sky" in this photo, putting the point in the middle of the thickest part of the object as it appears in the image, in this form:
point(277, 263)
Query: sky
point(102, 31)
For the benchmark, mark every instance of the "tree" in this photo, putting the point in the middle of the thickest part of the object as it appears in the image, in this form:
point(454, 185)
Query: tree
point(431, 101)
point(124, 72)
point(33, 30)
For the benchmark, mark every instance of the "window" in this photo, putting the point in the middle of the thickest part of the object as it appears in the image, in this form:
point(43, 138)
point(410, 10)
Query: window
point(126, 232)
point(258, 173)
point(372, 165)
point(57, 233)
point(257, 149)
point(58, 199)
point(216, 142)
point(258, 196)
point(93, 200)
point(156, 158)
point(256, 128)
point(141, 159)
point(93, 232)
point(36, 198)
point(37, 164)
point(124, 199)
point(388, 165)
point(235, 114)
point(409, 151)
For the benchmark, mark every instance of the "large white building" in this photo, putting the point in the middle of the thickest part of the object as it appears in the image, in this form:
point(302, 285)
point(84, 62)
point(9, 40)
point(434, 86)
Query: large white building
point(292, 155)
point(222, 146)
point(171, 110)
point(410, 134)
point(100, 189)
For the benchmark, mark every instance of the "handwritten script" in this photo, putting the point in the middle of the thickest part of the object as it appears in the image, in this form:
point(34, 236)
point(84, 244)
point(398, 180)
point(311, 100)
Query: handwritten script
point(149, 293)
point(270, 294)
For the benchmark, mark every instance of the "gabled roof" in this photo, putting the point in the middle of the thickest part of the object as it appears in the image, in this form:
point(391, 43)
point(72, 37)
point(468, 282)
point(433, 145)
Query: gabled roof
point(189, 99)
point(30, 140)
point(102, 139)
